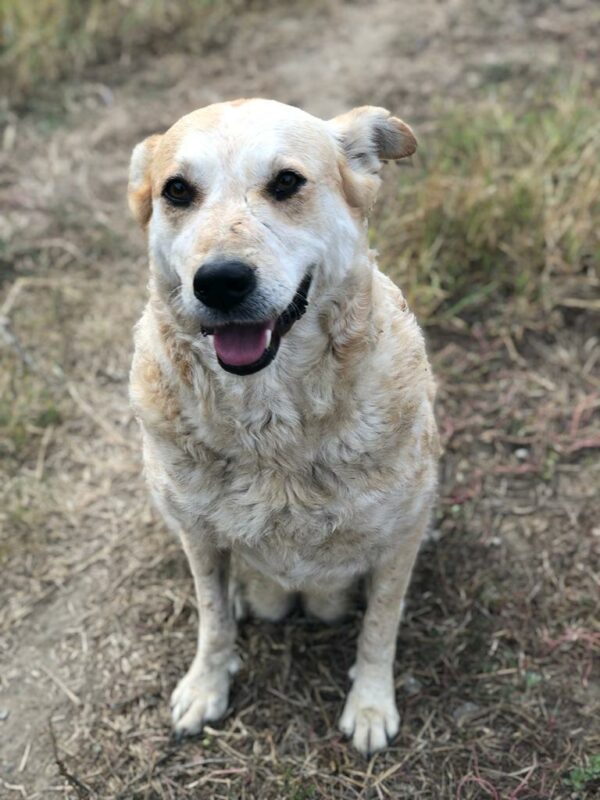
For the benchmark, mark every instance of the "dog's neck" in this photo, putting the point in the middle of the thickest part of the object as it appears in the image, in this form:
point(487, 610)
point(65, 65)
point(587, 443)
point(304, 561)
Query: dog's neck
point(324, 349)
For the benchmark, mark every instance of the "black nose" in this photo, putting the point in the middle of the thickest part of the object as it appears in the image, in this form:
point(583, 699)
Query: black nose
point(223, 284)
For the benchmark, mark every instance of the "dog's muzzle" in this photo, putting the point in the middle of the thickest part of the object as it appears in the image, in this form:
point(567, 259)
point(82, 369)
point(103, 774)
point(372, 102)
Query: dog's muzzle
point(246, 348)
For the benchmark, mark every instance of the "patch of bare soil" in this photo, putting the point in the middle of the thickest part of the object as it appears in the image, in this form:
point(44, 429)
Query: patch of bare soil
point(496, 679)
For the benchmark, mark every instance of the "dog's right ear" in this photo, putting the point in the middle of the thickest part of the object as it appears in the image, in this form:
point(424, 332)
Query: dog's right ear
point(139, 190)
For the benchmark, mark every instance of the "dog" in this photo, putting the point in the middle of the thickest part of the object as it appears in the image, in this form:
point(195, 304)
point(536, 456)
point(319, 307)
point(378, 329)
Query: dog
point(282, 386)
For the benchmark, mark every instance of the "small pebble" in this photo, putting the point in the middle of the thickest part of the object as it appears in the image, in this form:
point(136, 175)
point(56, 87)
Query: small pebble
point(411, 685)
point(464, 711)
point(4, 712)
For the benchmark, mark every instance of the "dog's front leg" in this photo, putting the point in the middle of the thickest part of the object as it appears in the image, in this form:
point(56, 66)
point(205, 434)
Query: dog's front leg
point(202, 695)
point(370, 715)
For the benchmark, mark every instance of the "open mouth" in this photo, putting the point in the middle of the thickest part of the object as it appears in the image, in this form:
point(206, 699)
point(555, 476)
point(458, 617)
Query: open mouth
point(245, 348)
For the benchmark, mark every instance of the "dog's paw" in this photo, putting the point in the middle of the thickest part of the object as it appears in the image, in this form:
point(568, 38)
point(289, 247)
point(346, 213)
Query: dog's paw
point(370, 717)
point(201, 696)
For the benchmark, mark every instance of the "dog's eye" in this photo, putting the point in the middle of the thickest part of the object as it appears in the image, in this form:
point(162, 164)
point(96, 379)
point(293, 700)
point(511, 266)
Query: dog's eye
point(178, 192)
point(285, 184)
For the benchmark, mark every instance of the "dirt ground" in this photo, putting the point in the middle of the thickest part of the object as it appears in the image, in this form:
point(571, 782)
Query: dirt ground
point(497, 667)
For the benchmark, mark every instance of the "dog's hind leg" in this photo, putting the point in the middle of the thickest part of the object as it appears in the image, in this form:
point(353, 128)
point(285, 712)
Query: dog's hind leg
point(256, 594)
point(328, 605)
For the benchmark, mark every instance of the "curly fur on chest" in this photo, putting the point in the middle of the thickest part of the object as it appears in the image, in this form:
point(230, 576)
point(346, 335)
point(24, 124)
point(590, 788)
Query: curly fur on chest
point(307, 476)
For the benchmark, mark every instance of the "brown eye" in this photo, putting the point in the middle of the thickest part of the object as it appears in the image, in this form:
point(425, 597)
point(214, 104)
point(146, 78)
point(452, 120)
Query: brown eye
point(285, 184)
point(178, 192)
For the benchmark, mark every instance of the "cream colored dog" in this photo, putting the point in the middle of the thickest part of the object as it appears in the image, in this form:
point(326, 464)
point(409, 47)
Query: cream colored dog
point(282, 385)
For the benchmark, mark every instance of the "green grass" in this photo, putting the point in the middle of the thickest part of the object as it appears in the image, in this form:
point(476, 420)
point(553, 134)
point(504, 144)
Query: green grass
point(42, 41)
point(500, 209)
point(26, 409)
point(580, 778)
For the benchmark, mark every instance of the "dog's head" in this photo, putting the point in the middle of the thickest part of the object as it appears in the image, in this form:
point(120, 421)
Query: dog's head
point(248, 203)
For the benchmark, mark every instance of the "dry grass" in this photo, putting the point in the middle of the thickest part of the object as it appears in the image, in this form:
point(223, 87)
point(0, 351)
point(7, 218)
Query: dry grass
point(501, 209)
point(45, 40)
point(497, 669)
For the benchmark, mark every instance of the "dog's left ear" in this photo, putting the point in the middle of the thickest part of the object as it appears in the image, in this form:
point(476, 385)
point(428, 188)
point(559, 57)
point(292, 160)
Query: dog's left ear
point(369, 136)
point(139, 190)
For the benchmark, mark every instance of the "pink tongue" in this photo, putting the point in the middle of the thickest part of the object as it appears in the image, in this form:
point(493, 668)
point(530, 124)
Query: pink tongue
point(240, 345)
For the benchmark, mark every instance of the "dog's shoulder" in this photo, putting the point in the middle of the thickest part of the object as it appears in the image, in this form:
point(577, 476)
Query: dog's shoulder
point(399, 376)
point(158, 369)
point(401, 355)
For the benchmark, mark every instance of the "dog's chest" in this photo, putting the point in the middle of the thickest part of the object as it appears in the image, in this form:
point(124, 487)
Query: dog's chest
point(299, 501)
point(300, 521)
